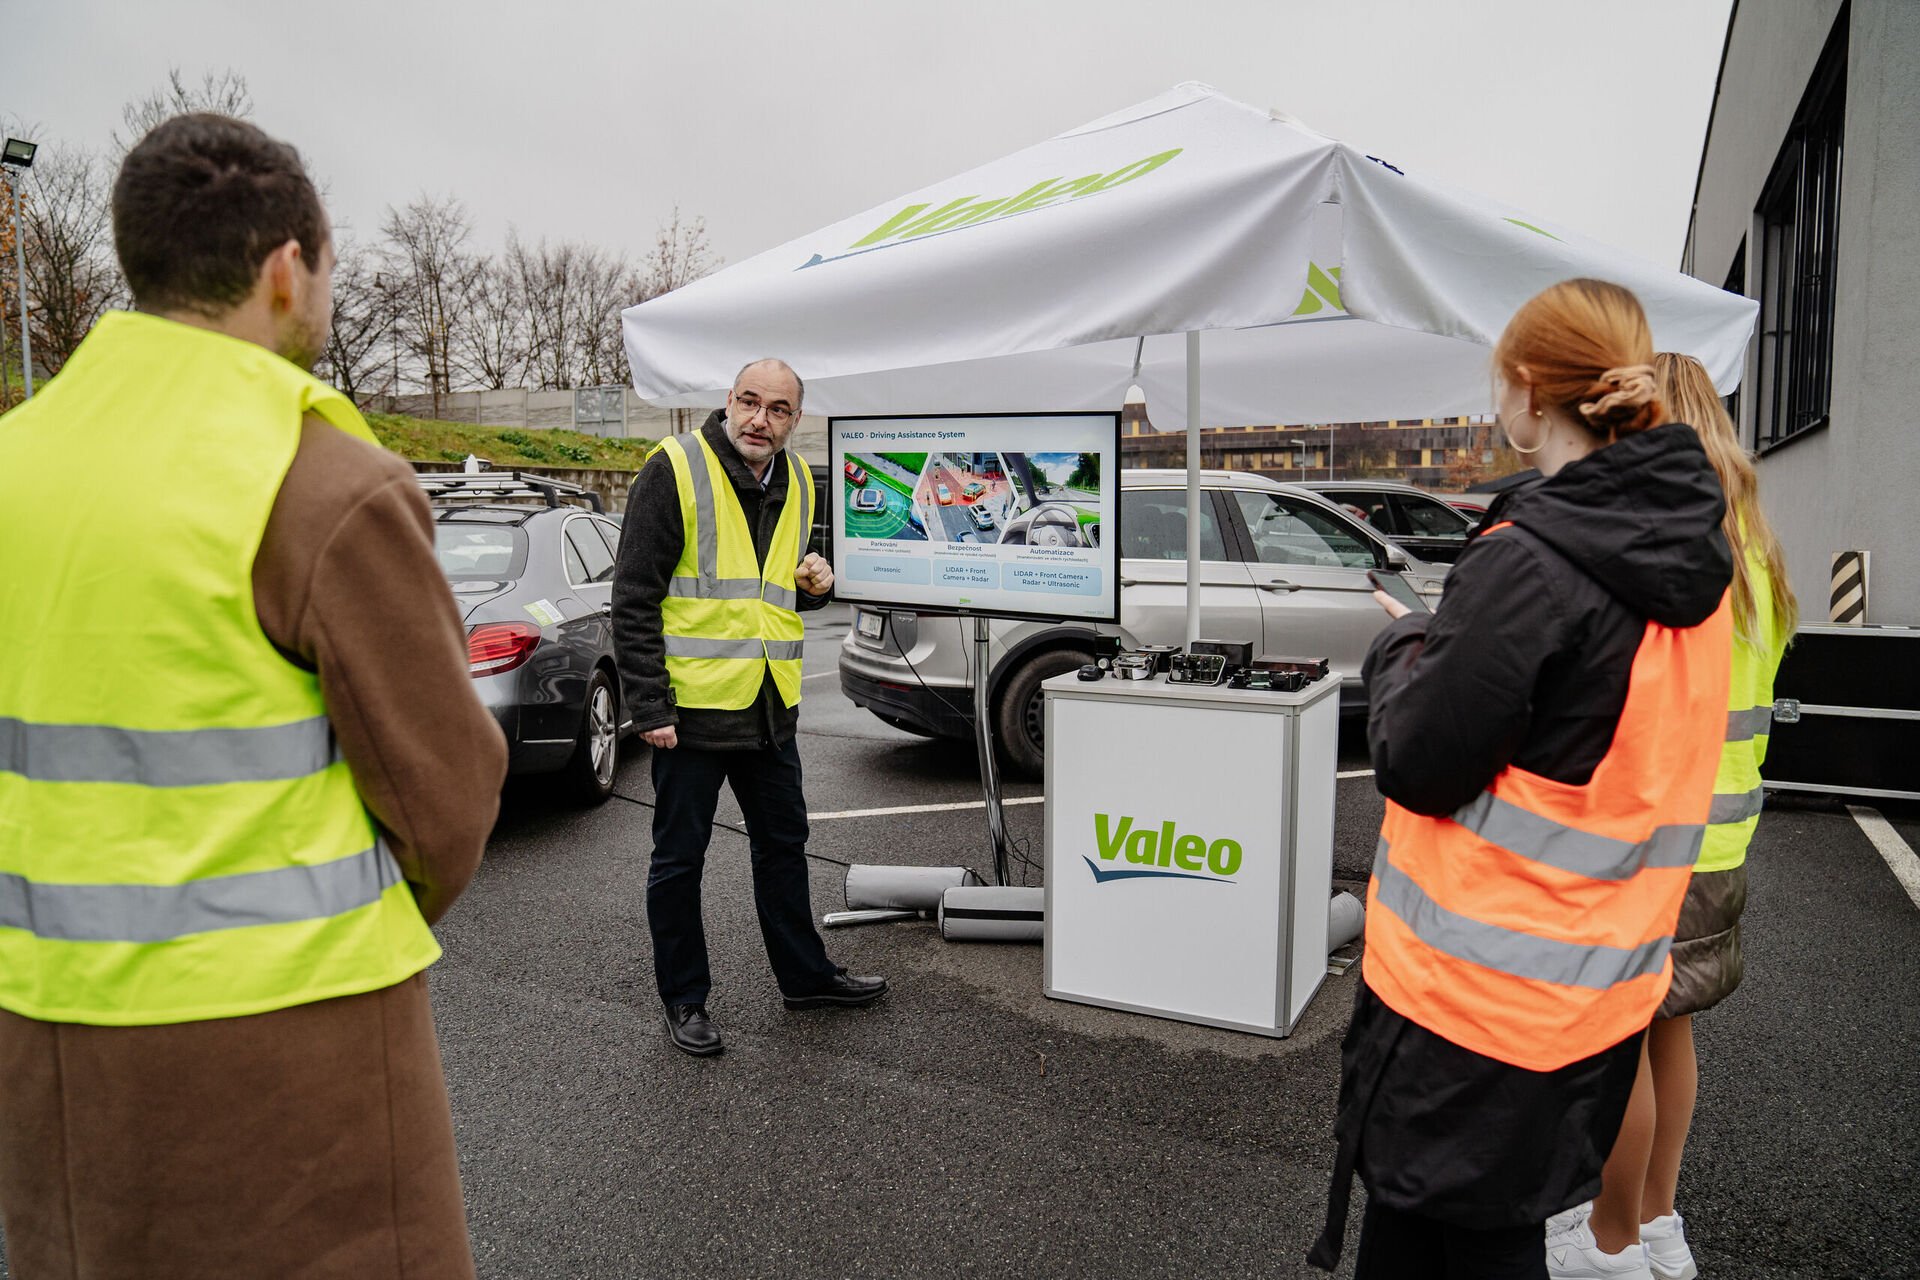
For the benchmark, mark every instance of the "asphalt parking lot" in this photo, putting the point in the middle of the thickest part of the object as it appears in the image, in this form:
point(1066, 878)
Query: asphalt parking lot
point(967, 1126)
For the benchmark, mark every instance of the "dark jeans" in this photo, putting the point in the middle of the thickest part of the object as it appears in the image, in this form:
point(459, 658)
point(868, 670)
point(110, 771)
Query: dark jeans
point(1404, 1246)
point(686, 786)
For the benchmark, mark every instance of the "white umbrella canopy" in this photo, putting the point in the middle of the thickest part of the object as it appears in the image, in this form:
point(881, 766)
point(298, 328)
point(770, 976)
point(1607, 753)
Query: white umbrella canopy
point(1333, 286)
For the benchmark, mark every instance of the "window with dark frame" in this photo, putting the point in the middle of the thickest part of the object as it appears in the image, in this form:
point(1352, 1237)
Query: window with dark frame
point(1799, 226)
point(1736, 283)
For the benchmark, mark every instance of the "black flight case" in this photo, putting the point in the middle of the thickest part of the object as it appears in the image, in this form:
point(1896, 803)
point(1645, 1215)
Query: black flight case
point(1846, 713)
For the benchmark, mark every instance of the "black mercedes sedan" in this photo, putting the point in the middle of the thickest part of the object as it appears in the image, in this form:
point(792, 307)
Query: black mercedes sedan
point(530, 560)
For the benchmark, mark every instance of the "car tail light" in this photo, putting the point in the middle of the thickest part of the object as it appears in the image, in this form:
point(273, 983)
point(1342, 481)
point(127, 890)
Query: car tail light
point(494, 647)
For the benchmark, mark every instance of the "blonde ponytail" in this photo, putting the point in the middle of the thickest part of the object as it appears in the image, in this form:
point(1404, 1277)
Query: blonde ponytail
point(1689, 396)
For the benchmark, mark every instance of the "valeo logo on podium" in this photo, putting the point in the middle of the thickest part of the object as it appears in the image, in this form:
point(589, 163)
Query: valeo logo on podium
point(1133, 850)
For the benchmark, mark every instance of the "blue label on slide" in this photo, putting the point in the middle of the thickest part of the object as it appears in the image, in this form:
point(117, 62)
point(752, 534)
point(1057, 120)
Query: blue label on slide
point(1054, 579)
point(911, 570)
point(979, 575)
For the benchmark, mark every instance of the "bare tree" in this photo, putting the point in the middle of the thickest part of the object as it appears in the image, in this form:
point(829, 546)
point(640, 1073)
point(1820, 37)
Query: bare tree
point(72, 274)
point(545, 280)
point(680, 256)
point(490, 333)
point(430, 275)
point(355, 359)
point(225, 94)
point(603, 287)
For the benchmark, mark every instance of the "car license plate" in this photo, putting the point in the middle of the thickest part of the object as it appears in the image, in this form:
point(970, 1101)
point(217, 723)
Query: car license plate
point(871, 624)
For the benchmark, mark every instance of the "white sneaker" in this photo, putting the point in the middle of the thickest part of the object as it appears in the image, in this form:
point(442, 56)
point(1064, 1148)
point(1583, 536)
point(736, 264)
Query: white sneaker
point(1667, 1252)
point(1568, 1222)
point(1575, 1255)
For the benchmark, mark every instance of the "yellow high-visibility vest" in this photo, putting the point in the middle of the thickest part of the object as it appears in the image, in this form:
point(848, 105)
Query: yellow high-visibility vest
point(727, 618)
point(1737, 793)
point(179, 837)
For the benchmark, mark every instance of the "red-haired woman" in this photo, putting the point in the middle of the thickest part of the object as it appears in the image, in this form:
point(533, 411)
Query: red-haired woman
point(1547, 742)
point(1636, 1201)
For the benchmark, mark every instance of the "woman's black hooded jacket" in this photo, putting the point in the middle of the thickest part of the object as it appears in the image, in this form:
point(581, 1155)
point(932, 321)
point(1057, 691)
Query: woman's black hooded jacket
point(1525, 663)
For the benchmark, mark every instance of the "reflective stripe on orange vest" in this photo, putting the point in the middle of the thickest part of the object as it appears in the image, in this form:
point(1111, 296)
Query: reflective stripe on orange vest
point(1534, 925)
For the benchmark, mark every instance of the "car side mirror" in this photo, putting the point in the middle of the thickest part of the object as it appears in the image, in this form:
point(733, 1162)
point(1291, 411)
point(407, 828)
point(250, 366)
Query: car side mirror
point(1397, 559)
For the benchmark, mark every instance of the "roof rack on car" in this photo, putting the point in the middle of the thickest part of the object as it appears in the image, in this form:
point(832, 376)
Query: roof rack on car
point(496, 486)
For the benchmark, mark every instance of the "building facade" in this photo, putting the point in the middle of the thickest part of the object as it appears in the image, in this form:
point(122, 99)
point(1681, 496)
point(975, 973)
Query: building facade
point(1808, 199)
point(1445, 455)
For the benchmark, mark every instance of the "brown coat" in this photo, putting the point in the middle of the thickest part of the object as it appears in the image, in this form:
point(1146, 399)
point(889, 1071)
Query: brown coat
point(313, 1141)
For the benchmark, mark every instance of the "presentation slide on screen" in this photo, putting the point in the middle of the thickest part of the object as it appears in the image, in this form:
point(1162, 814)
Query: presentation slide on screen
point(1005, 515)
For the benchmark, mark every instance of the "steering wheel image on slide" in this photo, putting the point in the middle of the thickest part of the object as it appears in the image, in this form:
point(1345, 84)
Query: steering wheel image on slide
point(1051, 524)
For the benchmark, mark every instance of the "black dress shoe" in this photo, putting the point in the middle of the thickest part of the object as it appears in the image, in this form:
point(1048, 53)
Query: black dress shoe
point(842, 988)
point(691, 1032)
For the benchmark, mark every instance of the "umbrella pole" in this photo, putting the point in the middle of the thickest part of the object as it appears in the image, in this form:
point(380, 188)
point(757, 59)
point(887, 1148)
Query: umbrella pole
point(983, 738)
point(1194, 497)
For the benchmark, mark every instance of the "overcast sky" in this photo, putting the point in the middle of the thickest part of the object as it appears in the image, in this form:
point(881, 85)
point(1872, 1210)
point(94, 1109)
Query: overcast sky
point(591, 119)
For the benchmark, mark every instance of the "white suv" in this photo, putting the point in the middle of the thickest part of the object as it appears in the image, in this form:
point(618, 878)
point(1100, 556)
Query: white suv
point(1282, 568)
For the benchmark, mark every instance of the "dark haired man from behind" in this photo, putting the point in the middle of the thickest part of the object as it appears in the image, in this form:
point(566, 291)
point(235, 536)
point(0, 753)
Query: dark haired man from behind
point(242, 767)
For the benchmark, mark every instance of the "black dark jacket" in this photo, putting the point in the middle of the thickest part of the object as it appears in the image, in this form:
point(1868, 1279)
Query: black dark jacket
point(1525, 663)
point(652, 536)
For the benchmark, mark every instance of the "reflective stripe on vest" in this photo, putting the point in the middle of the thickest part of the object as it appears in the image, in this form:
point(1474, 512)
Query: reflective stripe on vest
point(728, 620)
point(164, 758)
point(1513, 951)
point(162, 913)
point(181, 840)
point(1534, 925)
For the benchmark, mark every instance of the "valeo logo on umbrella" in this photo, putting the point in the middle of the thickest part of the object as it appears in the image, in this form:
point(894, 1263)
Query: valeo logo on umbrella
point(1162, 852)
point(915, 221)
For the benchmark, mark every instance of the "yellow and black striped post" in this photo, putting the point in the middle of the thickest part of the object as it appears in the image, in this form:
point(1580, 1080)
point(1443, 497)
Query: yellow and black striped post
point(1847, 594)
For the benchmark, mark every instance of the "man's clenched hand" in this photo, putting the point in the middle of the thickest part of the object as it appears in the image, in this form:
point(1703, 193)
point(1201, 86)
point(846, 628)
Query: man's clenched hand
point(814, 575)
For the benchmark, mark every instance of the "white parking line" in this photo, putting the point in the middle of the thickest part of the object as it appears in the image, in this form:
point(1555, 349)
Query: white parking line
point(919, 808)
point(1900, 857)
point(978, 804)
point(822, 675)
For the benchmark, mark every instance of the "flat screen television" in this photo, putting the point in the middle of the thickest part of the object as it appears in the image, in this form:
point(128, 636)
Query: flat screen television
point(1006, 515)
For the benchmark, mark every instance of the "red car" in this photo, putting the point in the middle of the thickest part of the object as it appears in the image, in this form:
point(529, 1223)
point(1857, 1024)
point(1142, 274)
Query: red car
point(855, 474)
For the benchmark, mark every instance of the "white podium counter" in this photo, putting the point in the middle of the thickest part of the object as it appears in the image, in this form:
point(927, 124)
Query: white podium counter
point(1189, 848)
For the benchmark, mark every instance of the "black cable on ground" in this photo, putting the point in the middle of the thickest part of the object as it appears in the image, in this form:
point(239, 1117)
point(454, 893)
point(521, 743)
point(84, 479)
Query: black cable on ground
point(727, 826)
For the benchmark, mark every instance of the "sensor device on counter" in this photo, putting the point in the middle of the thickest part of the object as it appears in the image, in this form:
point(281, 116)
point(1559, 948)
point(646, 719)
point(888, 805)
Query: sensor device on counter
point(1235, 653)
point(1196, 668)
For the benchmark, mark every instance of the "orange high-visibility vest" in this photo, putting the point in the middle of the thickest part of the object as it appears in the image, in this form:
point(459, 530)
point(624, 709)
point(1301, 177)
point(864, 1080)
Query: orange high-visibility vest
point(1533, 925)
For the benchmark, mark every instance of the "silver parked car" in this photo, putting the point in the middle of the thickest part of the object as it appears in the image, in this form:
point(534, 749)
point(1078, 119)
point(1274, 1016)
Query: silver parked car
point(1422, 523)
point(1282, 568)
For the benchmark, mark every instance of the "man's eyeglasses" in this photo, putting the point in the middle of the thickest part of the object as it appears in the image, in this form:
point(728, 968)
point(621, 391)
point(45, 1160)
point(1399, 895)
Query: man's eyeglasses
point(749, 404)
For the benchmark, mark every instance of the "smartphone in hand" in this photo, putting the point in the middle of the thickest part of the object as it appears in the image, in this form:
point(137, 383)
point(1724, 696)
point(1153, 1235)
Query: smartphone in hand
point(1400, 589)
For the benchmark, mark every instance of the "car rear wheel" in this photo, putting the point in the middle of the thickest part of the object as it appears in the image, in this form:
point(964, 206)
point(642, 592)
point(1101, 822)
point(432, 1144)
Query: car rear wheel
point(596, 756)
point(1020, 716)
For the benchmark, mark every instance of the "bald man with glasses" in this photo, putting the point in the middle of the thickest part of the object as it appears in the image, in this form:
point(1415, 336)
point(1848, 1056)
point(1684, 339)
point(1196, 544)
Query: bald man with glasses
point(714, 573)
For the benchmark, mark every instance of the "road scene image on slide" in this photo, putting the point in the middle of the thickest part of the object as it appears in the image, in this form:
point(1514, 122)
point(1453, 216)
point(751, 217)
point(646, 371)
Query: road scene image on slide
point(964, 497)
point(879, 492)
point(1055, 500)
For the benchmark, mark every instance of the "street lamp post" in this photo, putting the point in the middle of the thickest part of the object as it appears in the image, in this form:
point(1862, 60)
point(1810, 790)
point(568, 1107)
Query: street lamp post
point(15, 159)
point(1301, 445)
